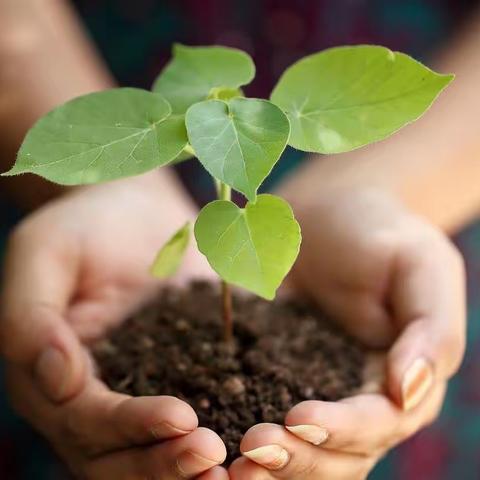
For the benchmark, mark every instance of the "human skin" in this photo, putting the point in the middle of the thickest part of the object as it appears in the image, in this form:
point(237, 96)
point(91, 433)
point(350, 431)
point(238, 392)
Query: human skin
point(430, 164)
point(395, 282)
point(98, 272)
point(46, 60)
point(355, 207)
point(43, 40)
point(74, 269)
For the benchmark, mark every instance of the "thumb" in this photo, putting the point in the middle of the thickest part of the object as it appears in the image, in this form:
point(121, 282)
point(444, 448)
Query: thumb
point(429, 305)
point(39, 280)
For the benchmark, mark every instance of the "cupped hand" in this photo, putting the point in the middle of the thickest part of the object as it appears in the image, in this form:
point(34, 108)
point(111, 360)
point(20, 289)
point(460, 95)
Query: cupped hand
point(73, 270)
point(395, 283)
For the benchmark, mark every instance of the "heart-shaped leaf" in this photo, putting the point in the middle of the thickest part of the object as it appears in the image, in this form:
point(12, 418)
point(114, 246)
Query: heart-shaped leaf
point(254, 247)
point(194, 72)
point(102, 136)
point(170, 256)
point(346, 97)
point(238, 142)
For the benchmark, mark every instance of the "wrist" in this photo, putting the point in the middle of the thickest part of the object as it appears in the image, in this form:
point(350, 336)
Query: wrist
point(159, 189)
point(331, 196)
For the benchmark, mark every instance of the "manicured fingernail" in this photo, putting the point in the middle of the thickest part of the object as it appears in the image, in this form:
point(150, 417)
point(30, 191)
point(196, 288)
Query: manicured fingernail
point(416, 382)
point(189, 463)
point(51, 371)
point(310, 433)
point(167, 430)
point(273, 457)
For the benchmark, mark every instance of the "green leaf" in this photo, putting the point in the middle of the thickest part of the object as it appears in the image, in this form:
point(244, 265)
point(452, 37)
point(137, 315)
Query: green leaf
point(346, 97)
point(185, 154)
point(102, 136)
point(170, 256)
point(220, 93)
point(194, 72)
point(254, 247)
point(238, 142)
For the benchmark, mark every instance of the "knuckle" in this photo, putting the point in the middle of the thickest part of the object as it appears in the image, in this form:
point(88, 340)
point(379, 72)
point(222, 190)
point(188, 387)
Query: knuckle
point(453, 347)
point(363, 470)
point(71, 433)
point(39, 315)
point(379, 245)
point(402, 430)
point(456, 258)
point(366, 465)
point(306, 469)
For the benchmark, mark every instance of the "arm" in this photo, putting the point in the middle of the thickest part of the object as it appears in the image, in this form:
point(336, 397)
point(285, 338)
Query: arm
point(46, 59)
point(432, 166)
point(96, 244)
point(391, 279)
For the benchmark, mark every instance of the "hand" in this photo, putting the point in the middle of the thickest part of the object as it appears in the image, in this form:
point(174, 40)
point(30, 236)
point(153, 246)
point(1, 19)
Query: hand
point(73, 270)
point(394, 282)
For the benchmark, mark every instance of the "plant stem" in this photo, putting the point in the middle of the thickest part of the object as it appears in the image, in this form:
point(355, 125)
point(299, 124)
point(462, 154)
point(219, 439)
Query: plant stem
point(225, 193)
point(227, 313)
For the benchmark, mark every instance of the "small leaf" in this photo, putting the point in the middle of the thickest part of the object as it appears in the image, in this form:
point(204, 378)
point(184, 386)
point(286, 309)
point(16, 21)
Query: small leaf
point(102, 136)
point(346, 97)
point(221, 93)
point(169, 258)
point(195, 71)
point(238, 142)
point(254, 247)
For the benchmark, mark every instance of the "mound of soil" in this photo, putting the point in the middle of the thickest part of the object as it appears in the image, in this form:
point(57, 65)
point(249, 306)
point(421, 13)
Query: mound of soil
point(284, 352)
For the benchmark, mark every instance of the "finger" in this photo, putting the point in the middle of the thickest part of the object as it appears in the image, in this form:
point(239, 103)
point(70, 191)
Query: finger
point(99, 420)
point(185, 457)
point(38, 283)
point(244, 469)
point(91, 318)
point(105, 421)
point(362, 424)
point(428, 291)
point(216, 473)
point(360, 312)
point(286, 456)
point(352, 292)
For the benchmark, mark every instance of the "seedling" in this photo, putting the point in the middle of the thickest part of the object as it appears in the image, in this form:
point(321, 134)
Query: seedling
point(329, 102)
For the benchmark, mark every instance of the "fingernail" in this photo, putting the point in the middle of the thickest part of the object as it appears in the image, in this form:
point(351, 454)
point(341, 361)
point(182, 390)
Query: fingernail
point(416, 382)
point(189, 463)
point(310, 433)
point(167, 430)
point(273, 457)
point(52, 372)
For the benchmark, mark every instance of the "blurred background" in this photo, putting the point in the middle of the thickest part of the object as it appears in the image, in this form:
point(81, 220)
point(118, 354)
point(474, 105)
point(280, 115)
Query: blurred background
point(134, 39)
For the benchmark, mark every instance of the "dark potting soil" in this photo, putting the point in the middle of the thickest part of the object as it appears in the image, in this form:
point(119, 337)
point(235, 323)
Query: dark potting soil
point(285, 352)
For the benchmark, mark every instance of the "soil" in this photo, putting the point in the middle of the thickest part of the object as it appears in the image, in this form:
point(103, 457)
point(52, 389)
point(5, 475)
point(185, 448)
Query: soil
point(284, 352)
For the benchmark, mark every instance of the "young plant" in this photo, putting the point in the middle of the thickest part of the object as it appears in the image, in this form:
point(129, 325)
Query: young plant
point(329, 102)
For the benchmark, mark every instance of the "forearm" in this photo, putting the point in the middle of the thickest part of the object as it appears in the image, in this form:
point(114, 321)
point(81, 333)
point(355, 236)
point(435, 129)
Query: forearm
point(433, 166)
point(46, 60)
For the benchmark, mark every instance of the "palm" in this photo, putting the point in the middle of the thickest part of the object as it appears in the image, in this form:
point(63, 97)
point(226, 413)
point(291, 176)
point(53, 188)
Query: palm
point(109, 241)
point(85, 259)
point(347, 263)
